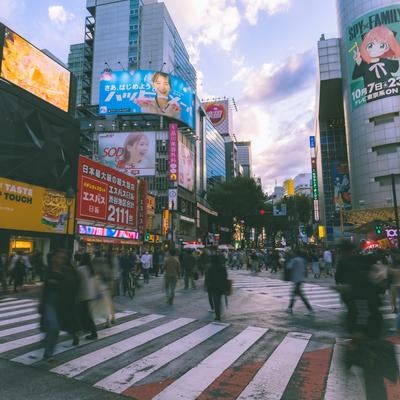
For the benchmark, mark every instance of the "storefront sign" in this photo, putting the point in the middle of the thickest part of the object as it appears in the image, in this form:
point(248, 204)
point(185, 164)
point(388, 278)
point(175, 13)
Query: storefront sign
point(107, 232)
point(142, 206)
point(165, 222)
point(173, 152)
point(27, 207)
point(106, 195)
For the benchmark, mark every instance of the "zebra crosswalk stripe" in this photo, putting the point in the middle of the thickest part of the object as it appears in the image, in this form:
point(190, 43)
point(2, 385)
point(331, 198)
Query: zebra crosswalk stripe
point(14, 303)
point(36, 355)
point(19, 306)
point(7, 299)
point(190, 385)
point(19, 319)
point(83, 363)
point(138, 370)
point(19, 329)
point(18, 312)
point(342, 383)
point(271, 380)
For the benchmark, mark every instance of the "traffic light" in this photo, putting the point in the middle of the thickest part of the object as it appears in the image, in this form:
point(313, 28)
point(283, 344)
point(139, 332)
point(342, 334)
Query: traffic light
point(147, 237)
point(378, 229)
point(262, 212)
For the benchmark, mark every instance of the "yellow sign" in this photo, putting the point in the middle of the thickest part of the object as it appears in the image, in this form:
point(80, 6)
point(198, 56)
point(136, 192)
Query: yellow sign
point(151, 204)
point(321, 231)
point(165, 222)
point(27, 207)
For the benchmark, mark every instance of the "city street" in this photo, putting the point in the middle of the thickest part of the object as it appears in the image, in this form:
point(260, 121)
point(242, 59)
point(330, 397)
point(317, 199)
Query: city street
point(178, 352)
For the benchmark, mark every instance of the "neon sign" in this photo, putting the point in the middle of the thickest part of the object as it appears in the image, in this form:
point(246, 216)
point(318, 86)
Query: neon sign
point(107, 232)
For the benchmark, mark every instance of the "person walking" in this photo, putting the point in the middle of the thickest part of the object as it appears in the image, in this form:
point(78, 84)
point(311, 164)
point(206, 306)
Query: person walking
point(328, 262)
point(216, 281)
point(172, 268)
point(297, 269)
point(58, 305)
point(189, 264)
point(147, 263)
point(3, 271)
point(17, 271)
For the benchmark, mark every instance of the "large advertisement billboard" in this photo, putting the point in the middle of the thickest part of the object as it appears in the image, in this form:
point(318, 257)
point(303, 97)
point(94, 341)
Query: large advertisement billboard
point(29, 68)
point(133, 153)
point(146, 92)
point(341, 185)
point(218, 112)
point(27, 207)
point(373, 49)
point(106, 195)
point(186, 167)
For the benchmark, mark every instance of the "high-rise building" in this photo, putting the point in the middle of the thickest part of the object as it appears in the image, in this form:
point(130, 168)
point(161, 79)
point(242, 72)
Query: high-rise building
point(330, 146)
point(129, 34)
point(244, 157)
point(76, 61)
point(370, 51)
point(302, 184)
point(232, 166)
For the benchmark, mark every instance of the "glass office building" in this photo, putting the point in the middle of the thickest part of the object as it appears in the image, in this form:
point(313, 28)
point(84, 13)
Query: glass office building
point(215, 155)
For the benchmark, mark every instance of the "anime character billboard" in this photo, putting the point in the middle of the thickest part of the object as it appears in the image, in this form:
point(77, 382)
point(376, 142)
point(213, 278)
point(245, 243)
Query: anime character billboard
point(373, 53)
point(341, 185)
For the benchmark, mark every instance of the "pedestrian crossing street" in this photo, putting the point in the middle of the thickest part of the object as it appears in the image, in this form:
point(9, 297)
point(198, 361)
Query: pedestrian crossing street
point(156, 357)
point(318, 295)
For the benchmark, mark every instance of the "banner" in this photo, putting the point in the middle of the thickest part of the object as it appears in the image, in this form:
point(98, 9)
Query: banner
point(27, 207)
point(341, 185)
point(218, 112)
point(142, 206)
point(133, 153)
point(173, 199)
point(165, 222)
point(173, 153)
point(29, 68)
point(105, 194)
point(186, 167)
point(146, 92)
point(372, 47)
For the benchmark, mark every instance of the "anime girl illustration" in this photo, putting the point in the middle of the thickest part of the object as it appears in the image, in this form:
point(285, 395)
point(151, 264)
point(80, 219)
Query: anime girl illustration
point(162, 103)
point(376, 57)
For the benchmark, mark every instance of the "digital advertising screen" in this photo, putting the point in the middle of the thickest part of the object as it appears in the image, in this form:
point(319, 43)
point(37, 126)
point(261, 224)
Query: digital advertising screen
point(341, 185)
point(133, 153)
point(30, 69)
point(372, 45)
point(185, 167)
point(106, 195)
point(146, 92)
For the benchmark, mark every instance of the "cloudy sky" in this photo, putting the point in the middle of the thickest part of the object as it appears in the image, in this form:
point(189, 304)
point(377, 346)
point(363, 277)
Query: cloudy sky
point(261, 52)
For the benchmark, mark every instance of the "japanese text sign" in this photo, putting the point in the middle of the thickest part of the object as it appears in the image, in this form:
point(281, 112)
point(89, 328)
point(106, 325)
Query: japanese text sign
point(173, 152)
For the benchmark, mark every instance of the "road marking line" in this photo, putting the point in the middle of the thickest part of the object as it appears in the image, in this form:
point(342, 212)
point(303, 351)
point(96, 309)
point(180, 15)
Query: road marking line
point(19, 319)
point(18, 312)
point(17, 307)
point(271, 380)
point(342, 383)
point(19, 329)
point(138, 370)
point(8, 299)
point(14, 303)
point(78, 365)
point(36, 355)
point(190, 385)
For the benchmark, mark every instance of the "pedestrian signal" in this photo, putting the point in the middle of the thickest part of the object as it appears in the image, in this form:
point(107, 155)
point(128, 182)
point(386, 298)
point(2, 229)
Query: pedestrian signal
point(147, 237)
point(378, 229)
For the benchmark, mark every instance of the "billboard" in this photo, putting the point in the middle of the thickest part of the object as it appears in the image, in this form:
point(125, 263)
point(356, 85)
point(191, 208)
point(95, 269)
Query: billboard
point(27, 207)
point(133, 153)
point(173, 153)
point(106, 195)
point(341, 185)
point(107, 232)
point(146, 92)
point(29, 68)
point(185, 167)
point(372, 50)
point(218, 112)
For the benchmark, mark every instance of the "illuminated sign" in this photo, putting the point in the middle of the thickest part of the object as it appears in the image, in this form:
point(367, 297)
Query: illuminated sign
point(312, 142)
point(173, 152)
point(29, 68)
point(107, 232)
point(172, 199)
point(314, 179)
point(165, 222)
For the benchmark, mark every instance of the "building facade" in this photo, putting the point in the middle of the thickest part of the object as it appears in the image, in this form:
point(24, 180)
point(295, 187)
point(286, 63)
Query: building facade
point(371, 98)
point(331, 145)
point(244, 157)
point(302, 184)
point(76, 62)
point(215, 148)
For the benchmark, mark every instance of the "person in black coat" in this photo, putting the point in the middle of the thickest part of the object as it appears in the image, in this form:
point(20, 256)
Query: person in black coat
point(216, 281)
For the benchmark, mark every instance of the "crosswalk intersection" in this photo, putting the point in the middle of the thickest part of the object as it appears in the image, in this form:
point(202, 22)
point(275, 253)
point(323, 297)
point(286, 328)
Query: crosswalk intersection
point(158, 357)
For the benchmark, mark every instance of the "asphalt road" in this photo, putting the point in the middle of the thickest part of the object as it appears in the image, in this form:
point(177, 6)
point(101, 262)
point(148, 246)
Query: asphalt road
point(178, 352)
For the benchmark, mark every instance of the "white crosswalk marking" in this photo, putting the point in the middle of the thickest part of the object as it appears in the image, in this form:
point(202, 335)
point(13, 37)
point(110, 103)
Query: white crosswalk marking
point(342, 383)
point(81, 364)
point(19, 329)
point(19, 319)
point(36, 355)
point(16, 307)
point(191, 384)
point(18, 312)
point(271, 380)
point(7, 299)
point(126, 377)
point(14, 303)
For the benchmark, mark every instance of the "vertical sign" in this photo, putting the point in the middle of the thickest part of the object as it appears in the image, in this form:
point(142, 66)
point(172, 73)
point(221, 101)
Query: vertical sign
point(165, 222)
point(173, 153)
point(314, 185)
point(173, 199)
point(142, 209)
point(312, 142)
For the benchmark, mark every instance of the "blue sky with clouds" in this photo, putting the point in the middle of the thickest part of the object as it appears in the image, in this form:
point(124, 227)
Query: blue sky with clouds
point(261, 52)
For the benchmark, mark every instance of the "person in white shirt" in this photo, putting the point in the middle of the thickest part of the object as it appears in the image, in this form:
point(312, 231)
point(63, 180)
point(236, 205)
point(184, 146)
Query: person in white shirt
point(328, 262)
point(147, 263)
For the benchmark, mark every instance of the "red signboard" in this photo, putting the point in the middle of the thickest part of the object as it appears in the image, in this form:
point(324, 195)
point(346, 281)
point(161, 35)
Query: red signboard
point(173, 152)
point(106, 195)
point(142, 206)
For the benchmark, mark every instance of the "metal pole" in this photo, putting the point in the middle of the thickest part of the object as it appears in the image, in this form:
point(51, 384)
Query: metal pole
point(66, 244)
point(396, 213)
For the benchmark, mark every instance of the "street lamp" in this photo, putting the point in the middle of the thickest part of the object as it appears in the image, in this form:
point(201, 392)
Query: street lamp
point(69, 197)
